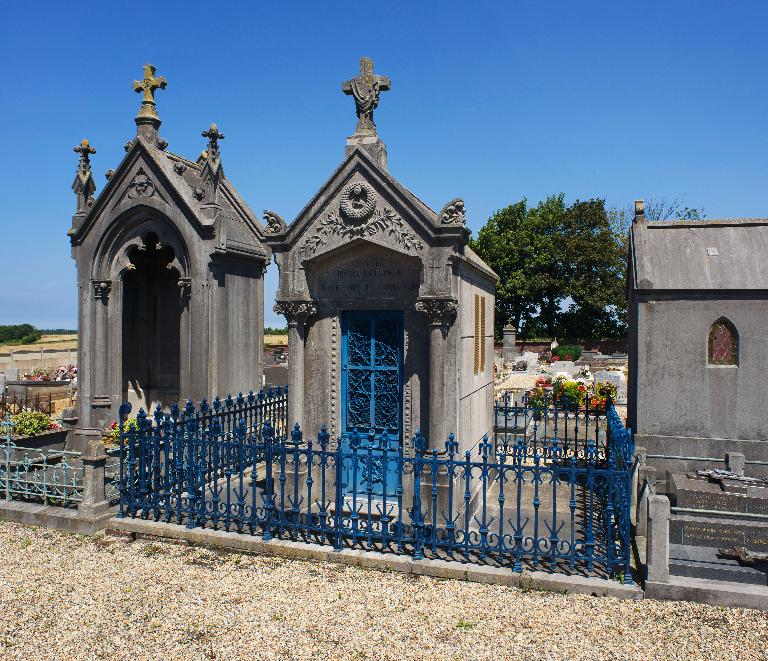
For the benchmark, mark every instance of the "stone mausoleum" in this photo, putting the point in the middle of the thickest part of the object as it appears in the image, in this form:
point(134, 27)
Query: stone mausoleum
point(170, 264)
point(390, 313)
point(698, 367)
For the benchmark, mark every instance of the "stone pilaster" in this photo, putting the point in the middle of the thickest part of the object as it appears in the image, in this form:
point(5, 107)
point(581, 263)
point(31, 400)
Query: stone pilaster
point(296, 314)
point(100, 378)
point(440, 314)
point(657, 549)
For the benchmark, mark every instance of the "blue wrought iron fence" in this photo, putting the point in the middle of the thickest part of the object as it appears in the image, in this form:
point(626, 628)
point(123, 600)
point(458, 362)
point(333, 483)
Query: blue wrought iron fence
point(505, 504)
point(53, 477)
point(568, 425)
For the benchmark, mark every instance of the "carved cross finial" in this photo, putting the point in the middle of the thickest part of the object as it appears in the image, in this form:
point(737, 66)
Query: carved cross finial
point(365, 90)
point(147, 86)
point(85, 150)
point(83, 185)
point(214, 135)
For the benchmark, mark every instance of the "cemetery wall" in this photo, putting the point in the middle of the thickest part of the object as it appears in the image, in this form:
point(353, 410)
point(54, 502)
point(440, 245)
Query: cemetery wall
point(680, 396)
point(605, 347)
point(28, 359)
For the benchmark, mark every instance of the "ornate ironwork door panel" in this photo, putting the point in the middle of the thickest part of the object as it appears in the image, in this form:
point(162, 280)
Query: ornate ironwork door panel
point(371, 395)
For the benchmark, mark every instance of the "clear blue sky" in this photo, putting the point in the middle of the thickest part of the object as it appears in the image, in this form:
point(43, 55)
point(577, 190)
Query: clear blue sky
point(490, 102)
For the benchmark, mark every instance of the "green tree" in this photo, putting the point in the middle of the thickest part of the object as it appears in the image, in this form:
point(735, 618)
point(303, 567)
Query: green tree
point(561, 268)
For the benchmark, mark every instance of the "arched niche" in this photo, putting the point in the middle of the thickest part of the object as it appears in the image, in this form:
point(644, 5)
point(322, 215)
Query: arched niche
point(723, 343)
point(146, 260)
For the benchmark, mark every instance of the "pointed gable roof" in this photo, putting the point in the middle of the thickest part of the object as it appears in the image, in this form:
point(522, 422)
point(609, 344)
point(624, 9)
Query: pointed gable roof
point(179, 180)
point(359, 161)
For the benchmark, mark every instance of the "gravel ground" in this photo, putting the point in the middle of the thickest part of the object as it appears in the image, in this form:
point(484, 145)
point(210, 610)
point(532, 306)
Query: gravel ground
point(70, 596)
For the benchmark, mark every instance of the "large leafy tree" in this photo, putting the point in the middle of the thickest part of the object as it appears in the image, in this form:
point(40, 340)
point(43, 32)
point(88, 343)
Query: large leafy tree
point(561, 268)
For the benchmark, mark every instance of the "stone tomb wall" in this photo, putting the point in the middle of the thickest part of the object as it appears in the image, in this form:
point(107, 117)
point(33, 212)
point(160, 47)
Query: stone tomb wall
point(687, 408)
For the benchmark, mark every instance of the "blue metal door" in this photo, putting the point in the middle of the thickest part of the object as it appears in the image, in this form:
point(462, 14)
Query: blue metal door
point(371, 395)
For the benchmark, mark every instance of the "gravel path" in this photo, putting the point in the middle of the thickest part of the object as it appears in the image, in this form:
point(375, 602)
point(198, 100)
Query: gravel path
point(70, 596)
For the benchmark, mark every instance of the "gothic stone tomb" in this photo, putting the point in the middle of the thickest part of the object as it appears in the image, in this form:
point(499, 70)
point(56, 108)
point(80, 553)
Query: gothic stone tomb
point(390, 313)
point(169, 268)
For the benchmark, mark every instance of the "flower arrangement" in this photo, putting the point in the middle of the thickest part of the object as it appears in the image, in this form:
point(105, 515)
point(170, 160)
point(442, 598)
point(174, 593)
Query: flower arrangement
point(111, 436)
point(541, 394)
point(600, 394)
point(32, 423)
point(51, 374)
point(568, 393)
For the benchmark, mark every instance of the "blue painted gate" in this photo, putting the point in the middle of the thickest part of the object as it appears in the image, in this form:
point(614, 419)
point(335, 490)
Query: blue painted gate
point(371, 396)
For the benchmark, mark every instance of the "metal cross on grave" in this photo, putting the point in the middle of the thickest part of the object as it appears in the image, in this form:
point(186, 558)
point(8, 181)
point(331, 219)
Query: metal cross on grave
point(365, 90)
point(147, 86)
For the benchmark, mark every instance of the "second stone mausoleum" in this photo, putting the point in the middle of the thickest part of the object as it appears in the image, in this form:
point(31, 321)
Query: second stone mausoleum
point(390, 312)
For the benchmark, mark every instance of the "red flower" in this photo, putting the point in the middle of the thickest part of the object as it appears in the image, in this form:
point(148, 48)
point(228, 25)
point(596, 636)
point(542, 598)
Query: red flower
point(582, 388)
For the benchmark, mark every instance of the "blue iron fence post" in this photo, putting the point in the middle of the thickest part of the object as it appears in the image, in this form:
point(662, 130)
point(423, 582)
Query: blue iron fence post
point(484, 450)
point(189, 441)
point(451, 448)
point(268, 495)
point(123, 412)
point(240, 492)
point(295, 499)
point(419, 445)
point(323, 438)
point(8, 451)
point(338, 514)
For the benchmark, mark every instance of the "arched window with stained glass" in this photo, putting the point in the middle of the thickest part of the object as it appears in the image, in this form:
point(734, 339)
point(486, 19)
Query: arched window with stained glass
point(723, 345)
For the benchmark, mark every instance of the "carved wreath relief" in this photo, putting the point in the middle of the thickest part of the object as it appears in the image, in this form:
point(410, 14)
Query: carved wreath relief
point(358, 217)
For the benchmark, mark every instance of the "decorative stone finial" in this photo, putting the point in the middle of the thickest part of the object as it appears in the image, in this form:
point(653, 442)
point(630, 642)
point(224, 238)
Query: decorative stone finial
point(453, 213)
point(639, 212)
point(83, 185)
point(85, 150)
point(147, 86)
point(214, 135)
point(274, 223)
point(365, 90)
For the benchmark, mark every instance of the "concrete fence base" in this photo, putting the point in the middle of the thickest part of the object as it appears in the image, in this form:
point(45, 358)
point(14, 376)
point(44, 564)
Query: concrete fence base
point(233, 541)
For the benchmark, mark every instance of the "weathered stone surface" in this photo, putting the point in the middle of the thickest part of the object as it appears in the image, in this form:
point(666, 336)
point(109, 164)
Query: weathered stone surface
point(364, 242)
point(170, 263)
point(683, 278)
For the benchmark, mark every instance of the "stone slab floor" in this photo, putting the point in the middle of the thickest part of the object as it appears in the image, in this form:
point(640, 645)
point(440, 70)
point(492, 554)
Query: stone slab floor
point(71, 596)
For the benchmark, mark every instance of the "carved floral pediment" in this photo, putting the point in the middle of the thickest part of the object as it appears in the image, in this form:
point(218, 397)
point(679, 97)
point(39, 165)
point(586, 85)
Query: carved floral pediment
point(358, 211)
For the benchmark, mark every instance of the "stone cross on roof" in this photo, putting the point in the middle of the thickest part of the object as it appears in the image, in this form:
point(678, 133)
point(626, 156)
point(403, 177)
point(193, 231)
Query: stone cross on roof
point(365, 90)
point(85, 150)
point(147, 86)
point(214, 135)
